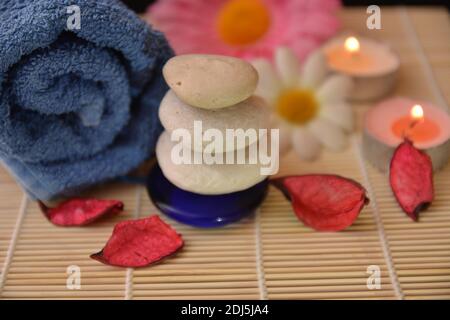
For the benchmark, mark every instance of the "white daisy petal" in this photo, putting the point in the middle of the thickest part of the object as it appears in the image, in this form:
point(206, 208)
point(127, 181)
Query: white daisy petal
point(288, 66)
point(305, 144)
point(341, 114)
point(269, 84)
point(336, 88)
point(285, 134)
point(314, 70)
point(329, 134)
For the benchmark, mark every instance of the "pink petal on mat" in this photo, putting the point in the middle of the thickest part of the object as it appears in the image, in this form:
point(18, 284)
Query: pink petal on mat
point(80, 212)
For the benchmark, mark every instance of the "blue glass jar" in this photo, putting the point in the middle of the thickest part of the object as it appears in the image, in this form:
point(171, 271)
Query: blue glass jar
point(203, 210)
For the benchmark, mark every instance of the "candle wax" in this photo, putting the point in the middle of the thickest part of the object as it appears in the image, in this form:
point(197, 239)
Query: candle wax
point(422, 131)
point(341, 59)
point(387, 123)
point(371, 59)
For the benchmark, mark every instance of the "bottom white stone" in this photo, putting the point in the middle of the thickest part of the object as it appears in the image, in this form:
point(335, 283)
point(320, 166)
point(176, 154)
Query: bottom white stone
point(206, 179)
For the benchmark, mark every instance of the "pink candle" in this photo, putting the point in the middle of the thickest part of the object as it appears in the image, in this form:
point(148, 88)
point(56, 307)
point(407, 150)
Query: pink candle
point(371, 64)
point(416, 126)
point(387, 124)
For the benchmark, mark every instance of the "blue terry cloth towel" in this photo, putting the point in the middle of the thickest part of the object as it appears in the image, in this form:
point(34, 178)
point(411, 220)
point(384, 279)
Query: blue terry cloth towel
point(78, 101)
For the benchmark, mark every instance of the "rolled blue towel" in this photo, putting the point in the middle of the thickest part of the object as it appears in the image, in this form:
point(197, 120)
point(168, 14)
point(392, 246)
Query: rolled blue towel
point(78, 103)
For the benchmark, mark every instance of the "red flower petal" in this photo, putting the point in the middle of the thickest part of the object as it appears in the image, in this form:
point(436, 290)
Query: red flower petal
point(324, 202)
point(411, 178)
point(80, 212)
point(139, 243)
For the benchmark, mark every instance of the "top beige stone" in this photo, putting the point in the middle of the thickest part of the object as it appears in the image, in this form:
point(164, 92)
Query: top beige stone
point(210, 81)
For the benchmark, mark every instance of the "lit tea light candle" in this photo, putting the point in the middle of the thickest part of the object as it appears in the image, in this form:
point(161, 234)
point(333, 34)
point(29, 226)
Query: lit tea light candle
point(390, 122)
point(372, 65)
point(416, 127)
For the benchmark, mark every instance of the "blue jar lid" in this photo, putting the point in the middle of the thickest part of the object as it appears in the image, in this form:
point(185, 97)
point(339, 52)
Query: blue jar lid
point(199, 210)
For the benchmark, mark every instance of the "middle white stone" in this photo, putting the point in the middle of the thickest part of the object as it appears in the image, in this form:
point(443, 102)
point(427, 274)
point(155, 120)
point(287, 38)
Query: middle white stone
point(252, 113)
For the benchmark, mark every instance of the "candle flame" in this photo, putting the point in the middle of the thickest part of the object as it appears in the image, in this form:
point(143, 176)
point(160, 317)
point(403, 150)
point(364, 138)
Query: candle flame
point(351, 44)
point(417, 112)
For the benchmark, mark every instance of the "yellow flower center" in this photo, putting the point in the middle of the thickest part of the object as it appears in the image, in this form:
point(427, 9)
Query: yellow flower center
point(242, 22)
point(297, 106)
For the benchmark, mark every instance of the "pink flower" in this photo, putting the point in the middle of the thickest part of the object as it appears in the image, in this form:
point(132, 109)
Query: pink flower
point(245, 28)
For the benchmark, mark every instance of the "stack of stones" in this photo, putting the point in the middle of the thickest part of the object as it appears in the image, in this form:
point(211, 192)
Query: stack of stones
point(218, 91)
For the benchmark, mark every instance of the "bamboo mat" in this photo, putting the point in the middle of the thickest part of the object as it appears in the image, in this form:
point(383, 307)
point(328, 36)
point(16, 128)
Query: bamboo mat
point(270, 255)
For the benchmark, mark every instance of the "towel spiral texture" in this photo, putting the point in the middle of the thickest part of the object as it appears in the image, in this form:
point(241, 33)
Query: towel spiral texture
point(78, 103)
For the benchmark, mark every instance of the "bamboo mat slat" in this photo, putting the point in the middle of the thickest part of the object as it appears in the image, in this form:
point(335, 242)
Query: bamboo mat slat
point(270, 255)
point(9, 212)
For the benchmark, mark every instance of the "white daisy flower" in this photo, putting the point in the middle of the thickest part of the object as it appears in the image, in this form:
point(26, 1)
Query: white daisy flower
point(309, 105)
